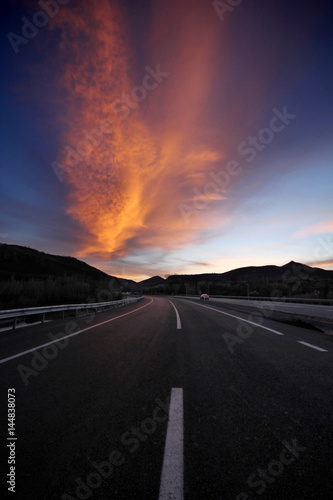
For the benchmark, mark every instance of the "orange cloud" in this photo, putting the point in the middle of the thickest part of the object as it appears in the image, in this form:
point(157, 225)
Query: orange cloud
point(326, 263)
point(319, 228)
point(133, 149)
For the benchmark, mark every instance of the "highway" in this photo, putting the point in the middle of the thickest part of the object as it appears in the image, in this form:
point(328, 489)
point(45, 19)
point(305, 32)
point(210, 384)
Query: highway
point(168, 398)
point(323, 312)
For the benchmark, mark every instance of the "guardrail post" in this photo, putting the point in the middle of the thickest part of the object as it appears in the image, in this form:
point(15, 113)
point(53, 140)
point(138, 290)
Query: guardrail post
point(43, 317)
point(14, 323)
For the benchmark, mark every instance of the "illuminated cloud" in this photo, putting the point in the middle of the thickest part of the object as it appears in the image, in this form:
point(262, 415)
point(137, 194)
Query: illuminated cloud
point(319, 228)
point(146, 118)
point(126, 184)
point(326, 263)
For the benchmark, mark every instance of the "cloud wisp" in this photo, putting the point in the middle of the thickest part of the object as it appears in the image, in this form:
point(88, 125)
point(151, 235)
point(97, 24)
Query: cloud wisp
point(132, 147)
point(173, 118)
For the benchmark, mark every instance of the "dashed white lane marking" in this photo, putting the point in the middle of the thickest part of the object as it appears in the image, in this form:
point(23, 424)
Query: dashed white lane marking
point(312, 346)
point(242, 319)
point(264, 327)
point(172, 478)
point(179, 325)
point(70, 335)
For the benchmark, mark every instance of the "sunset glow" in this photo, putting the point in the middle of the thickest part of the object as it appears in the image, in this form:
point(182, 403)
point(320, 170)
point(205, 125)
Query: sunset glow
point(171, 139)
point(129, 184)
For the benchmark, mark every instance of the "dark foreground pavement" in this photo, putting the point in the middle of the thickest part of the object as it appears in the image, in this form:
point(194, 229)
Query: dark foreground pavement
point(92, 410)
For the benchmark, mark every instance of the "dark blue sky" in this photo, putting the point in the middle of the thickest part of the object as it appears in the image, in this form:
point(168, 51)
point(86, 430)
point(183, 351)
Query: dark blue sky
point(147, 198)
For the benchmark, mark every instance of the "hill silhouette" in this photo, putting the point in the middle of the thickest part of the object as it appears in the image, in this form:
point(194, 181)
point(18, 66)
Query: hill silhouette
point(24, 262)
point(254, 273)
point(291, 280)
point(30, 278)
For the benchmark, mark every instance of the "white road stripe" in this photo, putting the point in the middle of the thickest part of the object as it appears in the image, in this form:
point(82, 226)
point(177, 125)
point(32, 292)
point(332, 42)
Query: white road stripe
point(179, 325)
point(70, 335)
point(242, 319)
point(261, 326)
point(172, 478)
point(312, 346)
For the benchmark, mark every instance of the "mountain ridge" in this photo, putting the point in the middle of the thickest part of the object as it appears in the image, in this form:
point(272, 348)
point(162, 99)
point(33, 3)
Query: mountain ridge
point(24, 263)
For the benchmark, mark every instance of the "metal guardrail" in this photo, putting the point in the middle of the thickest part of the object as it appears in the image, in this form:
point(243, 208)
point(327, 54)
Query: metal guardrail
point(14, 314)
point(328, 302)
point(296, 300)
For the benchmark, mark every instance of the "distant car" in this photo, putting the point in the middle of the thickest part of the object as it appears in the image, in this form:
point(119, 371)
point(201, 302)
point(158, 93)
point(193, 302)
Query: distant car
point(204, 297)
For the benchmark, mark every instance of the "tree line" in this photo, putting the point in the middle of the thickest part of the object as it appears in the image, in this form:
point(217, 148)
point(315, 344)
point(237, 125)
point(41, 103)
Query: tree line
point(18, 293)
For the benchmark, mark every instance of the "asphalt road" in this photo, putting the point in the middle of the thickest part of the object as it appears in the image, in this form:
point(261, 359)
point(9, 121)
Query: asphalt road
point(324, 312)
point(250, 414)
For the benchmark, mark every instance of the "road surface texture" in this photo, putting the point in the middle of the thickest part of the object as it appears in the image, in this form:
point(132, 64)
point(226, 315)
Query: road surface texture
point(168, 398)
point(323, 312)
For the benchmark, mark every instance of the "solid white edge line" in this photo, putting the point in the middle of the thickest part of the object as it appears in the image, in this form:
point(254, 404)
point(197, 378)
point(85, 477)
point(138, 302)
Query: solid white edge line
point(241, 319)
point(179, 325)
point(312, 346)
point(70, 335)
point(172, 477)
